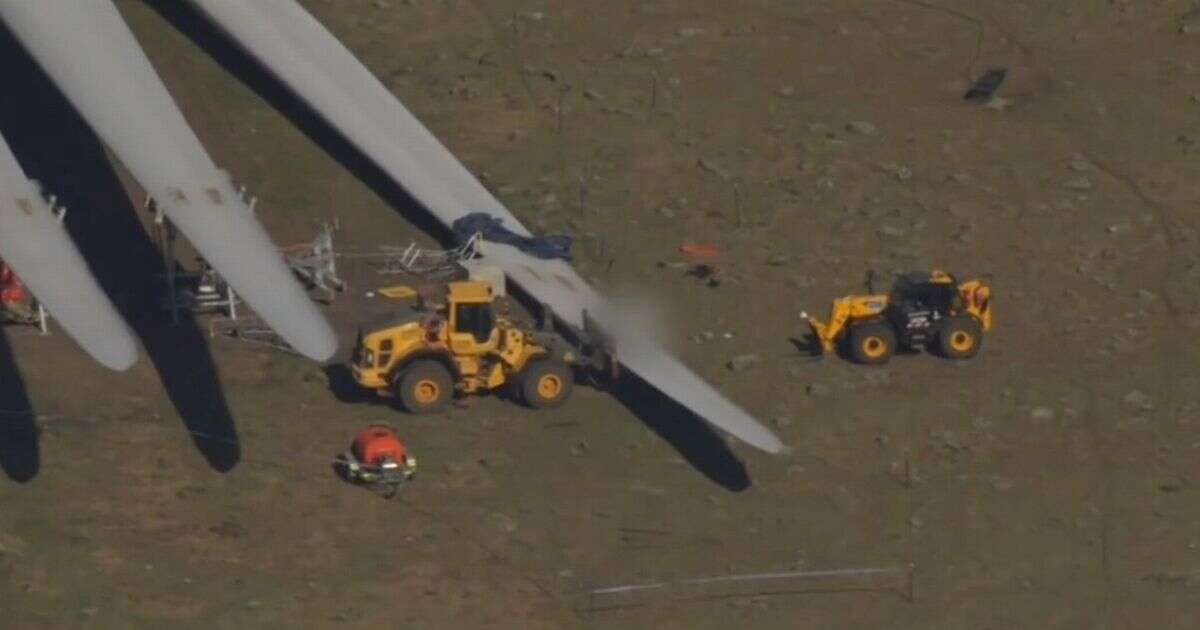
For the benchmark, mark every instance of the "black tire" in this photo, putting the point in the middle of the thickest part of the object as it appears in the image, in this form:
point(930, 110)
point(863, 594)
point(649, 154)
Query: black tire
point(960, 337)
point(424, 386)
point(872, 343)
point(546, 383)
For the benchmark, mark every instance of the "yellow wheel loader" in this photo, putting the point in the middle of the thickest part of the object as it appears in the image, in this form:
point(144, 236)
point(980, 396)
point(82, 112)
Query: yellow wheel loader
point(462, 346)
point(923, 309)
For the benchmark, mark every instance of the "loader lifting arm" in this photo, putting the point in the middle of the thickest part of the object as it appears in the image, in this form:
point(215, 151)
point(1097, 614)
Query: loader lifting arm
point(844, 310)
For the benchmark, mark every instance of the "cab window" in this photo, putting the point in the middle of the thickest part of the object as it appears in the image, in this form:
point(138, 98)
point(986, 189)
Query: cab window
point(476, 320)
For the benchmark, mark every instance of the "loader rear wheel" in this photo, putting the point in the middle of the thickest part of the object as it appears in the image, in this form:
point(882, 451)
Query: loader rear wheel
point(424, 387)
point(872, 343)
point(546, 383)
point(960, 338)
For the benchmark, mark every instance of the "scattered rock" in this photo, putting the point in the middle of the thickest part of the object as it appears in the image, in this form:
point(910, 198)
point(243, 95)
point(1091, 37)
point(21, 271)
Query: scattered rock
point(786, 92)
point(744, 362)
point(860, 127)
point(1078, 183)
point(1118, 228)
point(998, 103)
point(591, 95)
point(253, 604)
point(579, 448)
point(781, 421)
point(1080, 165)
point(1002, 484)
point(778, 260)
point(950, 440)
point(689, 31)
point(803, 282)
point(1138, 400)
point(666, 212)
point(1042, 414)
point(712, 168)
point(891, 231)
point(817, 390)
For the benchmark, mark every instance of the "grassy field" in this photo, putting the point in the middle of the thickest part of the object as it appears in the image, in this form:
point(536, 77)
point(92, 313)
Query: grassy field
point(1049, 483)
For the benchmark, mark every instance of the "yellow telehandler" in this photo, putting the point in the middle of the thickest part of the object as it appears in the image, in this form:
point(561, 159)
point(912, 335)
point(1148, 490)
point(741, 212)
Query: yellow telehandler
point(922, 309)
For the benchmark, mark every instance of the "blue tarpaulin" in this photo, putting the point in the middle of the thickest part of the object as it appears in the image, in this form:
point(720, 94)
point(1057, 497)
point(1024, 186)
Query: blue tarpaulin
point(491, 228)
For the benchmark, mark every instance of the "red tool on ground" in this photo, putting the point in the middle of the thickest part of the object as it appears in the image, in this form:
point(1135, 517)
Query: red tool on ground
point(379, 460)
point(697, 250)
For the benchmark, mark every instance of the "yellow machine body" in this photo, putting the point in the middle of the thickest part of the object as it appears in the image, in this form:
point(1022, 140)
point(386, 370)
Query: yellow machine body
point(481, 350)
point(970, 299)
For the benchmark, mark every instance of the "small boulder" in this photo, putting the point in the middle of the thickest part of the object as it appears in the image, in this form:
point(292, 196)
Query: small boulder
point(861, 127)
point(744, 362)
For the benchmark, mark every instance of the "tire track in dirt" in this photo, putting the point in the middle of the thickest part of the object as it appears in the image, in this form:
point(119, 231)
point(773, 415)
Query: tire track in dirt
point(969, 71)
point(1169, 358)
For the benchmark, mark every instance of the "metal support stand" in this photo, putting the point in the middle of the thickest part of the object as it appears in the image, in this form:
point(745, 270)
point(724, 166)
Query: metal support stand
point(232, 301)
point(164, 235)
point(316, 262)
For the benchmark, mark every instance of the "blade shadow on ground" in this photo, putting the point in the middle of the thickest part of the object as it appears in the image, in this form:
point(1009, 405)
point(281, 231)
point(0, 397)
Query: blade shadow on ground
point(57, 148)
point(696, 441)
point(20, 452)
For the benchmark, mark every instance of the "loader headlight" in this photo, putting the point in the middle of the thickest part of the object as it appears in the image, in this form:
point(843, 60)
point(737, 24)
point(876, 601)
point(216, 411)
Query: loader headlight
point(368, 358)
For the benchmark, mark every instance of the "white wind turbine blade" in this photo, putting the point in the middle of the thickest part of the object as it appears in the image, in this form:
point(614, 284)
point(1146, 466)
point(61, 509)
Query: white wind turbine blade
point(89, 52)
point(40, 251)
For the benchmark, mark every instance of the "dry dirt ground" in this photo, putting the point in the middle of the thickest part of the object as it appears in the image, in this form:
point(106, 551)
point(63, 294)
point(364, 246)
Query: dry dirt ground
point(1050, 483)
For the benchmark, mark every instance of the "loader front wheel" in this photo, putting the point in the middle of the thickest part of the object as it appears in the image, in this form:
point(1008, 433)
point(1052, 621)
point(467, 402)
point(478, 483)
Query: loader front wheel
point(546, 383)
point(424, 387)
point(872, 343)
point(960, 338)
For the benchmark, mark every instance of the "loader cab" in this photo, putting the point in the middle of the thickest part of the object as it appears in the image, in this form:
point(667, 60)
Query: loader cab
point(934, 291)
point(472, 322)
